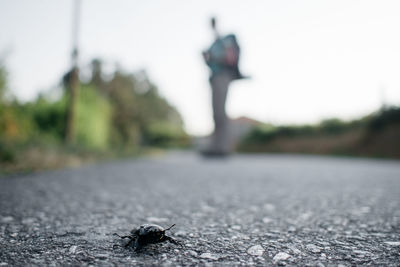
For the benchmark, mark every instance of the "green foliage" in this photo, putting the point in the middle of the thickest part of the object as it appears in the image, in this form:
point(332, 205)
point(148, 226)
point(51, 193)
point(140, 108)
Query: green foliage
point(23, 123)
point(263, 134)
point(93, 119)
point(3, 81)
point(7, 154)
point(260, 133)
point(373, 135)
point(140, 115)
point(16, 125)
point(125, 117)
point(123, 113)
point(383, 118)
point(164, 134)
point(331, 127)
point(49, 117)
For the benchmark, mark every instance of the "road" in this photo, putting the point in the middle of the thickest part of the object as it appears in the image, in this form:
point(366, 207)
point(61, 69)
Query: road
point(245, 210)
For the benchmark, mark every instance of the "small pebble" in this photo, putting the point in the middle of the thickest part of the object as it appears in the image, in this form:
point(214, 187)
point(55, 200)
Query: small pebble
point(281, 256)
point(256, 250)
point(72, 249)
point(313, 248)
point(295, 250)
point(362, 252)
point(266, 220)
point(236, 227)
point(209, 256)
point(180, 233)
point(193, 253)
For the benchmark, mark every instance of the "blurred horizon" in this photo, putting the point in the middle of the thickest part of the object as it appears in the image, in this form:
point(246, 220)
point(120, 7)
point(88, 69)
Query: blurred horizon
point(309, 60)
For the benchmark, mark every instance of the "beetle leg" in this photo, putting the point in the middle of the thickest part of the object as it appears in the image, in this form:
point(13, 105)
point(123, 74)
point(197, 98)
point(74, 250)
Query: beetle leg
point(169, 227)
point(125, 236)
point(116, 245)
point(137, 245)
point(130, 242)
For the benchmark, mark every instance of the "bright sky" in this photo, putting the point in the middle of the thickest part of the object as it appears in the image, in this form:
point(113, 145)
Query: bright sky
point(309, 60)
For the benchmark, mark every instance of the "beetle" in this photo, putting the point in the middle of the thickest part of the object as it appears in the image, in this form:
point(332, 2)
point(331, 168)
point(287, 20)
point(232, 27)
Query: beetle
point(147, 234)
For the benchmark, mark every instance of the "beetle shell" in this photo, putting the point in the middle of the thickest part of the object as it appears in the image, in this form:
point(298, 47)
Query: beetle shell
point(148, 229)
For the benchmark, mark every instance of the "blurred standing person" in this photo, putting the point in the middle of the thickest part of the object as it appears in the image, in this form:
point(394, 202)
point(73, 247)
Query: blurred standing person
point(223, 60)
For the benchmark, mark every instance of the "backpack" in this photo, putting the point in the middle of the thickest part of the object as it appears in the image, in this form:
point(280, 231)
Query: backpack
point(225, 52)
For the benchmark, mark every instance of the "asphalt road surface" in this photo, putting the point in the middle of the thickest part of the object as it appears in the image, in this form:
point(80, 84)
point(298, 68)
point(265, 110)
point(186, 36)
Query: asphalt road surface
point(245, 210)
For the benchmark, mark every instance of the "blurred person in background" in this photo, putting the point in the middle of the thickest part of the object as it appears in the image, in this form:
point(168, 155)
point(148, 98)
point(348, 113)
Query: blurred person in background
point(223, 60)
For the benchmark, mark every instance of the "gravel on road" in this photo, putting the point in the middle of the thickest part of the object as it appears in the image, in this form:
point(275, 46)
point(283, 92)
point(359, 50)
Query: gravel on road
point(244, 210)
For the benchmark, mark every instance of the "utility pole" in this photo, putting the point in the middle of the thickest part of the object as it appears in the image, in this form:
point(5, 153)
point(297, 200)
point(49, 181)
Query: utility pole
point(73, 83)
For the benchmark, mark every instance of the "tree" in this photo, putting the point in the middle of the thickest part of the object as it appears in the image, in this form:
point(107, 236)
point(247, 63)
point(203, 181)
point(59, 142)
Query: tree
point(3, 81)
point(140, 115)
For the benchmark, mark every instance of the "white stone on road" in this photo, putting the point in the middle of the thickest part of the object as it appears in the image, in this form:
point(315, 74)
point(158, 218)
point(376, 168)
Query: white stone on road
point(256, 250)
point(209, 256)
point(313, 248)
point(193, 253)
point(281, 256)
point(266, 220)
point(72, 249)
